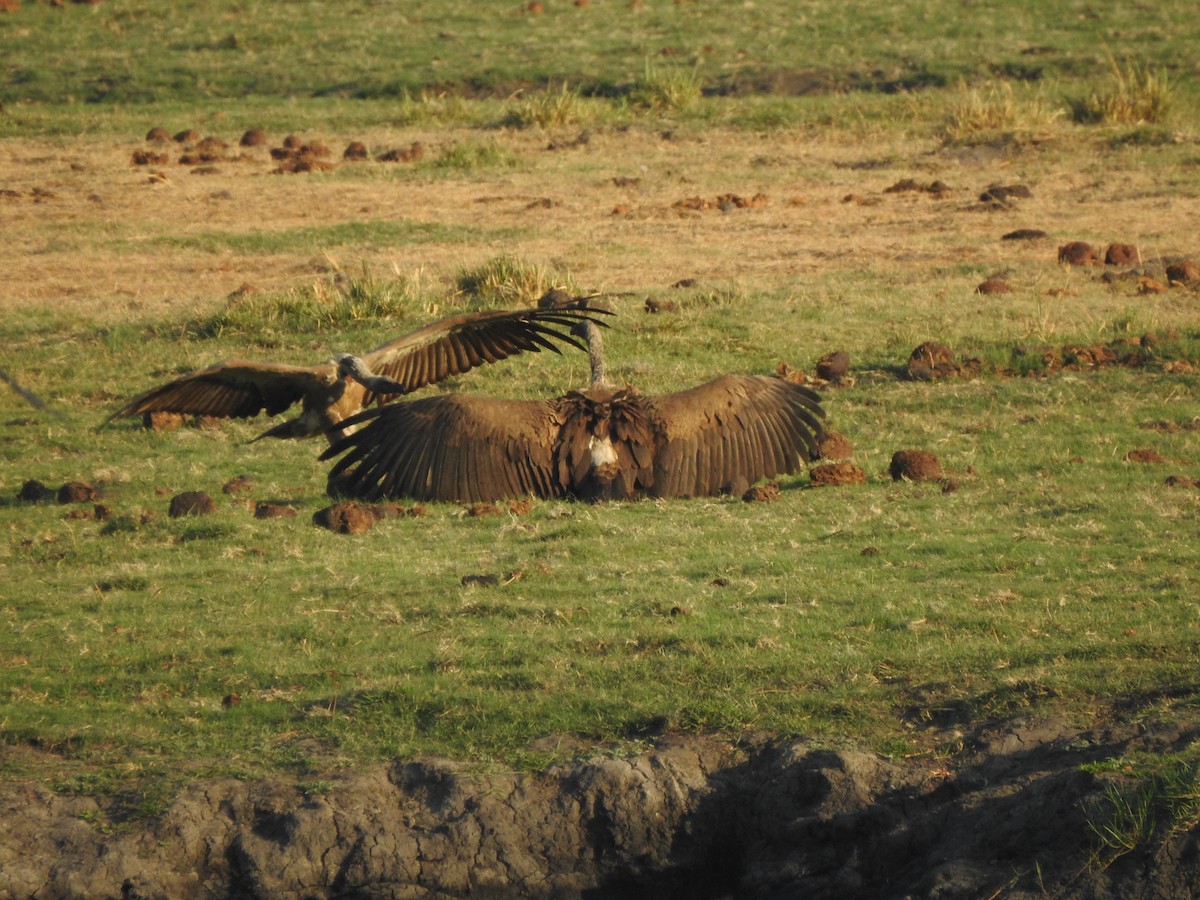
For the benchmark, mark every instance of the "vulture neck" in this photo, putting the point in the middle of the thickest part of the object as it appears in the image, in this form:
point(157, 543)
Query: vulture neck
point(595, 345)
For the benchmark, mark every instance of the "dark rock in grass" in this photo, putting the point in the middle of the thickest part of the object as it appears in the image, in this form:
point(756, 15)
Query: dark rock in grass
point(654, 305)
point(191, 503)
point(1078, 253)
point(76, 492)
point(33, 491)
point(356, 150)
point(915, 465)
point(1183, 481)
point(187, 136)
point(833, 366)
point(158, 135)
point(836, 474)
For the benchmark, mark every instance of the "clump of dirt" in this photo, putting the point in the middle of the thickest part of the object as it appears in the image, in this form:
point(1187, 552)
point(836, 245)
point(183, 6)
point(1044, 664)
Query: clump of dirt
point(723, 202)
point(158, 135)
point(1005, 194)
point(1078, 253)
point(1024, 234)
point(1011, 814)
point(788, 372)
point(253, 137)
point(834, 446)
point(239, 485)
point(266, 510)
point(932, 360)
point(1183, 273)
point(355, 150)
point(187, 136)
point(77, 492)
point(994, 285)
point(1144, 455)
point(938, 189)
point(347, 518)
point(762, 493)
point(1122, 255)
point(33, 491)
point(833, 367)
point(915, 465)
point(836, 474)
point(191, 503)
point(412, 153)
point(654, 305)
point(1183, 481)
point(149, 158)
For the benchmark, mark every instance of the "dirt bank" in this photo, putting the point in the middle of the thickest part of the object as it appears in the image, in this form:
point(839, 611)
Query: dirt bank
point(1007, 816)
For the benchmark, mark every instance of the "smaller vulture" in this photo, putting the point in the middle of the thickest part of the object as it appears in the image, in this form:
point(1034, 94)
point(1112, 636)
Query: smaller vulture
point(332, 391)
point(601, 443)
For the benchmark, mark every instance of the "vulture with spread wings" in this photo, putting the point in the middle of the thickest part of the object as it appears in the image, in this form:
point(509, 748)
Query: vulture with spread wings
point(600, 443)
point(333, 391)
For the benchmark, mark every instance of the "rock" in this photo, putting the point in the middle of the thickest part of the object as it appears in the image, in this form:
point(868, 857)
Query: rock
point(834, 446)
point(1122, 255)
point(347, 518)
point(33, 491)
point(1077, 253)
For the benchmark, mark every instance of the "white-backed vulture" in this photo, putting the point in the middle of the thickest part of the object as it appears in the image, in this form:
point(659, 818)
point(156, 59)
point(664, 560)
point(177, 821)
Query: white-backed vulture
point(601, 443)
point(333, 391)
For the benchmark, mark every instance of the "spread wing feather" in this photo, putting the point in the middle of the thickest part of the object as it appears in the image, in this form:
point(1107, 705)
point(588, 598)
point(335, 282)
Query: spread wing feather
point(736, 426)
point(237, 388)
point(457, 344)
point(450, 447)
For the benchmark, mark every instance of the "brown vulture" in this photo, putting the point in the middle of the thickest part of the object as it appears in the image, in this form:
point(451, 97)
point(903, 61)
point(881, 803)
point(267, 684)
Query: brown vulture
point(332, 391)
point(601, 443)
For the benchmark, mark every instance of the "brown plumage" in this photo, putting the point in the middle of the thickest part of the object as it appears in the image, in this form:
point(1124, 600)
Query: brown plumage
point(333, 391)
point(602, 443)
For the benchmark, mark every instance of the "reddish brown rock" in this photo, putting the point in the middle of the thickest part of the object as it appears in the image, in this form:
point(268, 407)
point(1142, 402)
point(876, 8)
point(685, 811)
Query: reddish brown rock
point(264, 510)
point(994, 285)
point(762, 493)
point(1185, 273)
point(930, 361)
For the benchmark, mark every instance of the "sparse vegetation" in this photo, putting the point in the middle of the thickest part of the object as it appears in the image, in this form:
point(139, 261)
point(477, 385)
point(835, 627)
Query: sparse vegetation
point(994, 113)
point(1137, 94)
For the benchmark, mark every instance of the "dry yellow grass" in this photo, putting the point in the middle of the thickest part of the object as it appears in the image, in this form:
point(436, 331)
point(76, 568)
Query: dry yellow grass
point(88, 232)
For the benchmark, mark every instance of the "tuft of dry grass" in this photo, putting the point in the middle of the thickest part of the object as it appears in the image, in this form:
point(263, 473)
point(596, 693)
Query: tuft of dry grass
point(980, 115)
point(1137, 95)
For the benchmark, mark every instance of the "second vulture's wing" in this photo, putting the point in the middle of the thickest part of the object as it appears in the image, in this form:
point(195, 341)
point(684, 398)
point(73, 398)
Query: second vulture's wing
point(457, 344)
point(733, 429)
point(453, 447)
point(238, 388)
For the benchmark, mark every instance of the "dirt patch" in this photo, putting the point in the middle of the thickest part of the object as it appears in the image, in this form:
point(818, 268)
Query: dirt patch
point(694, 817)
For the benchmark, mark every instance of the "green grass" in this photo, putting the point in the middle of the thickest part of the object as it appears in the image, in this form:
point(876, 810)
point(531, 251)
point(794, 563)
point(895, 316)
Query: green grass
point(1057, 575)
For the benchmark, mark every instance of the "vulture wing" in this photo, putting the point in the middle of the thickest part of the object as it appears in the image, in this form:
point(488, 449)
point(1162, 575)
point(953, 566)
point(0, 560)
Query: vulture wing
point(450, 447)
point(238, 388)
point(733, 428)
point(459, 343)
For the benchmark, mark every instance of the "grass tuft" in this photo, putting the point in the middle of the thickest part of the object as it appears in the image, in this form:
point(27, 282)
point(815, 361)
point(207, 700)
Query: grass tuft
point(509, 281)
point(980, 116)
point(1137, 95)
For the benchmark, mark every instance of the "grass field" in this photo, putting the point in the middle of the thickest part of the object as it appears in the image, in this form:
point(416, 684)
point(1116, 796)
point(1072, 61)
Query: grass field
point(1055, 572)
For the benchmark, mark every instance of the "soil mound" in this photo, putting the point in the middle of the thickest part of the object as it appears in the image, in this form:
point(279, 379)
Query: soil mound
point(694, 817)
